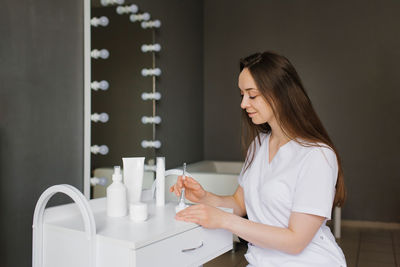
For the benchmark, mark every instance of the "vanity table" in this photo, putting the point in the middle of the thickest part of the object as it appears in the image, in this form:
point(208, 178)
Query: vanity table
point(119, 242)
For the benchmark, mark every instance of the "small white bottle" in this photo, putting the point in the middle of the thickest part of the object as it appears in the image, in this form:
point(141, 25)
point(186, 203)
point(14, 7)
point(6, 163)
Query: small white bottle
point(117, 205)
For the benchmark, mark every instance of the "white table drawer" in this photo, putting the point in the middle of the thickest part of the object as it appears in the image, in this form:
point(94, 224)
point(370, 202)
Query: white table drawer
point(191, 248)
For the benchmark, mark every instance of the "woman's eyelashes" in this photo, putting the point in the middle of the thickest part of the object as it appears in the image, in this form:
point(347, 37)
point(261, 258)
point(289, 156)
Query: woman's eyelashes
point(251, 97)
point(247, 93)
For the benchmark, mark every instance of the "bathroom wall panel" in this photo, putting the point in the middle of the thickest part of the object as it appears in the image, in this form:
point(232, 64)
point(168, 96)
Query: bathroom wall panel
point(347, 54)
point(41, 112)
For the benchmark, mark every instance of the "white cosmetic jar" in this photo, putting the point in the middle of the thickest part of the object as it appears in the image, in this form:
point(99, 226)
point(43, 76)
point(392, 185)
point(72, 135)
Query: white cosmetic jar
point(138, 211)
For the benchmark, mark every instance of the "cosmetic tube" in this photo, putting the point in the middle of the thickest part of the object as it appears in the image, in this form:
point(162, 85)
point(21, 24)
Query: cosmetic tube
point(133, 177)
point(160, 181)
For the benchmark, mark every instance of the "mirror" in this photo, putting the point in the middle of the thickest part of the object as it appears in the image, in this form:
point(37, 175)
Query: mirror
point(123, 116)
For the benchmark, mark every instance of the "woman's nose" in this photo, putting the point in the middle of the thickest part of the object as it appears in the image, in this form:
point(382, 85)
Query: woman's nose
point(244, 104)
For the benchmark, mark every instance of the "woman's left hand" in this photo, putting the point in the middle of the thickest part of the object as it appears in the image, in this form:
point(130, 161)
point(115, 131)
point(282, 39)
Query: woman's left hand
point(204, 215)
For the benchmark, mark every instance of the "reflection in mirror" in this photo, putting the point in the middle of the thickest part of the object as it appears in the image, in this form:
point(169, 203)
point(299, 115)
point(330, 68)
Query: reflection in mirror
point(124, 94)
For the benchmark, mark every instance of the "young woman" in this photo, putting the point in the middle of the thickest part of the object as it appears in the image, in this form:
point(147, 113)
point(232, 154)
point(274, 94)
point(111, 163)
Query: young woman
point(291, 178)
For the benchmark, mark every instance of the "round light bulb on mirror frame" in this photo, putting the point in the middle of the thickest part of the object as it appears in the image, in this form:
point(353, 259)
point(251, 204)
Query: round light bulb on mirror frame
point(151, 48)
point(102, 117)
point(151, 24)
point(151, 96)
point(102, 21)
point(111, 2)
point(151, 72)
point(127, 9)
point(152, 120)
point(103, 149)
point(98, 181)
point(102, 85)
point(150, 144)
point(103, 53)
point(139, 17)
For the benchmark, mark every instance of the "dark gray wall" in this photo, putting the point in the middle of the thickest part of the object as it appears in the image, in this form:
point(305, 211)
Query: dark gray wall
point(347, 53)
point(41, 112)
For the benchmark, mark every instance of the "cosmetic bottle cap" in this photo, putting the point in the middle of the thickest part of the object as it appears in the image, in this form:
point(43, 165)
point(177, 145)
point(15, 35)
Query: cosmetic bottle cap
point(117, 177)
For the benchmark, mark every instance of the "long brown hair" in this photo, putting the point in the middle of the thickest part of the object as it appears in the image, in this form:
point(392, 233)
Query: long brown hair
point(278, 81)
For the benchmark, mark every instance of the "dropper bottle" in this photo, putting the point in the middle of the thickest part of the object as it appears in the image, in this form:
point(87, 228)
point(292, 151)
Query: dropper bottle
point(116, 196)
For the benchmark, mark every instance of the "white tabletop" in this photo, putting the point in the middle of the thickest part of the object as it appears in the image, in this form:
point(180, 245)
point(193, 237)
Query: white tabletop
point(161, 223)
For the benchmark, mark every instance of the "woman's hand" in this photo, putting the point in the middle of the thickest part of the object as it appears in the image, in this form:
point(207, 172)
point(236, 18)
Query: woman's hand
point(193, 190)
point(204, 215)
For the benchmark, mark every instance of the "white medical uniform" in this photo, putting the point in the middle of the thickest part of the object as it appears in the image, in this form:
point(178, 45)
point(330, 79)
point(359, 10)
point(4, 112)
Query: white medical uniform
point(298, 179)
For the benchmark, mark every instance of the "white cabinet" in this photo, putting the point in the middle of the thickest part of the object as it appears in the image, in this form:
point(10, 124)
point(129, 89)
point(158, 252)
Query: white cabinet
point(120, 242)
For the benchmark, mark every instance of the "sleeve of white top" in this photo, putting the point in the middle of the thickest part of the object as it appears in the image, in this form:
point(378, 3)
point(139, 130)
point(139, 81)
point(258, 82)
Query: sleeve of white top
point(315, 188)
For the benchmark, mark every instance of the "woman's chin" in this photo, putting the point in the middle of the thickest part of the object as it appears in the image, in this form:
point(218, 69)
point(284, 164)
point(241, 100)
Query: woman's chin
point(258, 121)
point(255, 121)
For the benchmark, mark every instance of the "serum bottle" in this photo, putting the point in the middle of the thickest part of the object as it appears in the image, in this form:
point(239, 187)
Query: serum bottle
point(116, 196)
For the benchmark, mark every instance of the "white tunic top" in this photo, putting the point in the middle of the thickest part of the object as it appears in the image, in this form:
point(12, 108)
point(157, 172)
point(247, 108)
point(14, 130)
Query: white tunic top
point(298, 179)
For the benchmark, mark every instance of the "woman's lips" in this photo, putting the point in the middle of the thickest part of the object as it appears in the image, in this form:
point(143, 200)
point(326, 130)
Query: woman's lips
point(251, 114)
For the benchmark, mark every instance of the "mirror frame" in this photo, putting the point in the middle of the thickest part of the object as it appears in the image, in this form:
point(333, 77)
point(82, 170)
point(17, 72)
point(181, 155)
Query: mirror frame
point(87, 97)
point(87, 102)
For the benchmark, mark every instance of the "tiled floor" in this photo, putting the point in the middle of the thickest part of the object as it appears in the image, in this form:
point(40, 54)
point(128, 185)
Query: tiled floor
point(363, 247)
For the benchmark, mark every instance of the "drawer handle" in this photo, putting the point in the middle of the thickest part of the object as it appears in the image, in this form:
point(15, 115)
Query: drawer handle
point(191, 249)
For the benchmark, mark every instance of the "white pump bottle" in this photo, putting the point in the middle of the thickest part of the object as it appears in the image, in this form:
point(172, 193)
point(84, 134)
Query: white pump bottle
point(117, 205)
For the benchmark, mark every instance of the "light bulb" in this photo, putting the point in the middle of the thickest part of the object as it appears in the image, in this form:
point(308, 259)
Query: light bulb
point(157, 72)
point(102, 21)
point(127, 9)
point(103, 85)
point(148, 72)
point(151, 24)
point(155, 120)
point(98, 181)
point(146, 16)
point(147, 144)
point(157, 47)
point(102, 117)
point(103, 53)
point(151, 96)
point(157, 144)
point(111, 2)
point(148, 48)
point(139, 17)
point(103, 149)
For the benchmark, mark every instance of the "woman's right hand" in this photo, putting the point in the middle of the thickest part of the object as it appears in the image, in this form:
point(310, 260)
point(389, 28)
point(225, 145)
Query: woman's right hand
point(193, 190)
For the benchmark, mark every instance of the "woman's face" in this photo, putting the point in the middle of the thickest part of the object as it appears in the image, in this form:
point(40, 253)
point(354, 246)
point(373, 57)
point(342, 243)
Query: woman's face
point(253, 102)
